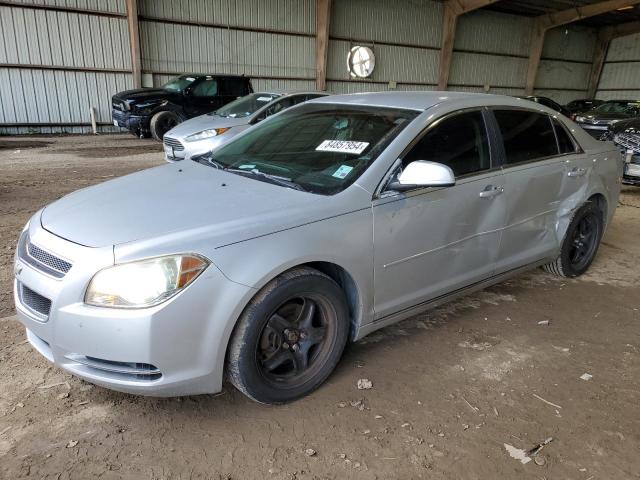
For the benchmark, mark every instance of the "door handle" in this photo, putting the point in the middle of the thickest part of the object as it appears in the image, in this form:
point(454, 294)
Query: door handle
point(577, 172)
point(491, 191)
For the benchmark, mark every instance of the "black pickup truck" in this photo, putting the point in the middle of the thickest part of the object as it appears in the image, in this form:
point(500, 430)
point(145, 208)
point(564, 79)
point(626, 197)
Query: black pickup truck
point(155, 111)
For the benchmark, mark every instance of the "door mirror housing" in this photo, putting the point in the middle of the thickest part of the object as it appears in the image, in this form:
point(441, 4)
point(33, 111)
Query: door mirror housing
point(423, 174)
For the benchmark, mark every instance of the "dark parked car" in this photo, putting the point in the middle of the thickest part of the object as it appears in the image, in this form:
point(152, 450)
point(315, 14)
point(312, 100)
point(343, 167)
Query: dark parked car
point(155, 111)
point(597, 121)
point(547, 102)
point(582, 105)
point(626, 135)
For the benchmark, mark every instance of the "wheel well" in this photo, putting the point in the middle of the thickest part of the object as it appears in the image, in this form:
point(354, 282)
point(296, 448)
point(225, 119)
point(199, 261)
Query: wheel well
point(601, 203)
point(348, 285)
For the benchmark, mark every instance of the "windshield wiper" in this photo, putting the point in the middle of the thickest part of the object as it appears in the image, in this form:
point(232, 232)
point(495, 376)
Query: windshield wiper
point(276, 179)
point(208, 160)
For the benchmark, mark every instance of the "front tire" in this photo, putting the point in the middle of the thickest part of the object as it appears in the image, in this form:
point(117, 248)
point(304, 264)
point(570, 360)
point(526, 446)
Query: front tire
point(161, 123)
point(580, 243)
point(289, 338)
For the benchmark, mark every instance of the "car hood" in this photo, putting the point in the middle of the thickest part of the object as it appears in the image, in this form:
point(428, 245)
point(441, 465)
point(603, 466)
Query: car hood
point(605, 116)
point(627, 126)
point(224, 207)
point(204, 122)
point(145, 94)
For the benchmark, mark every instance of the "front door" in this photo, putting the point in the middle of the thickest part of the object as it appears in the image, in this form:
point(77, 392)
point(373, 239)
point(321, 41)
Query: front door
point(430, 242)
point(203, 97)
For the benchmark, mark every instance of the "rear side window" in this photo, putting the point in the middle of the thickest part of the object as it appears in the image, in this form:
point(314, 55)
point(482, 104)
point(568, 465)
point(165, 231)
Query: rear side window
point(459, 142)
point(527, 135)
point(235, 87)
point(564, 139)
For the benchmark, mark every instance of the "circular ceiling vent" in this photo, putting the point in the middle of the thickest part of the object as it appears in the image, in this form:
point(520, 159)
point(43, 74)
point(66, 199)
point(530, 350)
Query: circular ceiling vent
point(361, 61)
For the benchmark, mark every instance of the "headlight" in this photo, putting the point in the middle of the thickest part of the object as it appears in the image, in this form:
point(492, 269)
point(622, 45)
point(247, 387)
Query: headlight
point(212, 132)
point(580, 119)
point(144, 283)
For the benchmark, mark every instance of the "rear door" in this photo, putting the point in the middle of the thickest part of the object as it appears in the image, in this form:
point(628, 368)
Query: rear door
point(534, 175)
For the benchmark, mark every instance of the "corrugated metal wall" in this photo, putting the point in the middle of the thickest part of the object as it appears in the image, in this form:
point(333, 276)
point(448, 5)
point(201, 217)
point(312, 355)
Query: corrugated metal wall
point(404, 35)
point(621, 71)
point(76, 59)
point(272, 41)
point(55, 65)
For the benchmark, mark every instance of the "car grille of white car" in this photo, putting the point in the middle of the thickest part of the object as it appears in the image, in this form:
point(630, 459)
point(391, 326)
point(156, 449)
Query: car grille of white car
point(628, 141)
point(173, 143)
point(42, 260)
point(36, 303)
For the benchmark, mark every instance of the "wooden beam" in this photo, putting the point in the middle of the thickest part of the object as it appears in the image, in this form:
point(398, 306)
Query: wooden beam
point(134, 42)
point(602, 46)
point(323, 15)
point(452, 10)
point(551, 20)
point(599, 55)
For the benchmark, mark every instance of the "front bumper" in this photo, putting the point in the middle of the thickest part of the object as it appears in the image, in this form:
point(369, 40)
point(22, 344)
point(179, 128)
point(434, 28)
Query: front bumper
point(176, 150)
point(134, 123)
point(631, 175)
point(175, 348)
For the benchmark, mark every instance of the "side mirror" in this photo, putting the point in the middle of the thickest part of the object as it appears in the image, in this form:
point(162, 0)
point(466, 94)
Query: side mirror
point(422, 174)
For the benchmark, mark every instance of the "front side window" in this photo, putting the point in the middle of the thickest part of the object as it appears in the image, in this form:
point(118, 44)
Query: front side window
point(526, 135)
point(245, 106)
point(320, 148)
point(460, 142)
point(206, 88)
point(564, 139)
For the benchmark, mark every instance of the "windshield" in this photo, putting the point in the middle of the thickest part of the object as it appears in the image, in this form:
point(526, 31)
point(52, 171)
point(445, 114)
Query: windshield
point(178, 84)
point(245, 106)
point(320, 148)
point(624, 107)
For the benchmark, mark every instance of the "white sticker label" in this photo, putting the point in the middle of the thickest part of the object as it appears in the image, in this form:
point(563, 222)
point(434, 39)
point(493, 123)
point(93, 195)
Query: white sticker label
point(248, 167)
point(264, 99)
point(342, 146)
point(342, 171)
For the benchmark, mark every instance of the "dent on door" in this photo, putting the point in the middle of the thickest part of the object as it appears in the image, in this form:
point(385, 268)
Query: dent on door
point(426, 245)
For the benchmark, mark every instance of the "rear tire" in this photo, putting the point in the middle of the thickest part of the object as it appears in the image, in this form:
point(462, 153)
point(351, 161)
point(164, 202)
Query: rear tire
point(580, 244)
point(161, 123)
point(289, 338)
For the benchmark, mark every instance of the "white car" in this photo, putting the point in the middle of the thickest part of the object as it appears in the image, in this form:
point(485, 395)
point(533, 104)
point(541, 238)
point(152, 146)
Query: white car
point(202, 134)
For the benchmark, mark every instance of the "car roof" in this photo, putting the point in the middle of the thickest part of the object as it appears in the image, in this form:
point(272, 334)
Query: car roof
point(217, 75)
point(415, 100)
point(290, 92)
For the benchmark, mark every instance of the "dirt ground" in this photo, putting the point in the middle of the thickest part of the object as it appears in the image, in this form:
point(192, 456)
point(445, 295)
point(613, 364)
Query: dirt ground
point(450, 388)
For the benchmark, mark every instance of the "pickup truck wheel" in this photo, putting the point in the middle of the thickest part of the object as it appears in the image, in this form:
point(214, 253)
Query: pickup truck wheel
point(580, 243)
point(161, 123)
point(289, 338)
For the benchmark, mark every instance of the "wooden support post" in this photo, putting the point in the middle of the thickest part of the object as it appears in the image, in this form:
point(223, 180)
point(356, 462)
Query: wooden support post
point(452, 10)
point(323, 15)
point(599, 56)
point(134, 42)
point(545, 22)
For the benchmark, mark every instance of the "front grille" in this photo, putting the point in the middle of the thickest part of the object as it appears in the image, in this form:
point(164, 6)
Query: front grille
point(34, 301)
point(41, 259)
point(130, 370)
point(173, 143)
point(629, 141)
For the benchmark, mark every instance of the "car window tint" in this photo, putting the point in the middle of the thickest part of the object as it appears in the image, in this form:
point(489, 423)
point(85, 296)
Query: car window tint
point(459, 142)
point(564, 139)
point(206, 88)
point(527, 135)
point(234, 87)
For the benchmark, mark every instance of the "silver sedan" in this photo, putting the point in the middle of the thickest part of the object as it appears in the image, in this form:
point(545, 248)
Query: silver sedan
point(202, 134)
point(322, 224)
